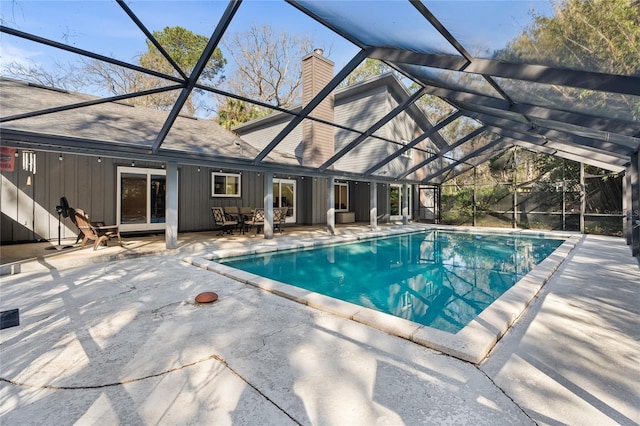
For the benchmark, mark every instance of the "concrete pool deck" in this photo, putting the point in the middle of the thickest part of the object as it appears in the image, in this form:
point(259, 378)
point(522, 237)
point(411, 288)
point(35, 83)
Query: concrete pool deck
point(472, 343)
point(122, 342)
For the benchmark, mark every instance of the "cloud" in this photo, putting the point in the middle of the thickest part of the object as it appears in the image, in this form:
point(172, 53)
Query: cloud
point(14, 54)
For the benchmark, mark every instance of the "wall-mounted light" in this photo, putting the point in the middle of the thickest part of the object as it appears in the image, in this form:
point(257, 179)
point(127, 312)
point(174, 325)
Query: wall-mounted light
point(133, 164)
point(29, 180)
point(198, 168)
point(60, 157)
point(99, 160)
point(17, 154)
point(162, 165)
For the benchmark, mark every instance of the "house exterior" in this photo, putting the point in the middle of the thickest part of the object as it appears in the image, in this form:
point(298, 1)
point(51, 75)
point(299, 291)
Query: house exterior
point(357, 107)
point(130, 190)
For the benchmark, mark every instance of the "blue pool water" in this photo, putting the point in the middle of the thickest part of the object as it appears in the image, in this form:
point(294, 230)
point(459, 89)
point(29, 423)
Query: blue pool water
point(441, 279)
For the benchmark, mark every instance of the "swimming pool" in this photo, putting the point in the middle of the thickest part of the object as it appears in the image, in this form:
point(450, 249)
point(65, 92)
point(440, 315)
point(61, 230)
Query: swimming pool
point(441, 279)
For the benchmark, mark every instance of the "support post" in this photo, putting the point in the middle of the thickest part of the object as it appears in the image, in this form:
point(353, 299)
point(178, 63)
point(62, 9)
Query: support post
point(268, 206)
point(626, 205)
point(583, 198)
point(405, 203)
point(171, 209)
point(564, 200)
point(475, 193)
point(373, 205)
point(635, 204)
point(438, 217)
point(515, 188)
point(331, 213)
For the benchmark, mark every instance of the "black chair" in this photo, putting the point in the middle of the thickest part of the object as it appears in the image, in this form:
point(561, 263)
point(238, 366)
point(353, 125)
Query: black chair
point(226, 223)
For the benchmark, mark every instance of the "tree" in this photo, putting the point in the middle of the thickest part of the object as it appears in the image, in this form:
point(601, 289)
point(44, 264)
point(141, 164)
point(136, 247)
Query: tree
point(235, 112)
point(184, 47)
point(598, 35)
point(369, 68)
point(595, 35)
point(64, 76)
point(269, 67)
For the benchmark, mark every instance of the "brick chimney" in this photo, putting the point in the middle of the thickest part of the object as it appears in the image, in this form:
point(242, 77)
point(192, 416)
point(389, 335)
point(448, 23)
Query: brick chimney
point(317, 72)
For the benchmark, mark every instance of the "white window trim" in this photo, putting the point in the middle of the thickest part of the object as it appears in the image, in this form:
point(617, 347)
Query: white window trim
point(213, 185)
point(280, 182)
point(346, 185)
point(408, 153)
point(409, 202)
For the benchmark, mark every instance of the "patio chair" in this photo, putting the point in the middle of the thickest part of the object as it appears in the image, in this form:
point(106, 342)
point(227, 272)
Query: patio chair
point(72, 215)
point(256, 220)
point(232, 212)
point(89, 231)
point(225, 222)
point(279, 217)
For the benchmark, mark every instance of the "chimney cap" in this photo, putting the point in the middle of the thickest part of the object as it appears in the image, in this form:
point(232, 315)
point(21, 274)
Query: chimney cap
point(318, 51)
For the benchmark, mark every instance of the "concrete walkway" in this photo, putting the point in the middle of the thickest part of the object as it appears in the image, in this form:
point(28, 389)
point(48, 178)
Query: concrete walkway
point(122, 342)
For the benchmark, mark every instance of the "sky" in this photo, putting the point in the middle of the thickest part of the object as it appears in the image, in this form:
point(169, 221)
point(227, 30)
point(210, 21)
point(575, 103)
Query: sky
point(103, 27)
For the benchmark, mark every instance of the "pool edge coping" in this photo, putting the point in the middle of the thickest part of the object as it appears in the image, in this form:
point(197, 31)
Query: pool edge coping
point(473, 343)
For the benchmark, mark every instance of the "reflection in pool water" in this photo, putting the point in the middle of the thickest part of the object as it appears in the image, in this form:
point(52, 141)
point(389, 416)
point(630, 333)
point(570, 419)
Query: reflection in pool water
point(441, 279)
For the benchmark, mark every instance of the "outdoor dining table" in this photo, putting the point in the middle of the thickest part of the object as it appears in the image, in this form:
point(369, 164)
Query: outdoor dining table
point(242, 219)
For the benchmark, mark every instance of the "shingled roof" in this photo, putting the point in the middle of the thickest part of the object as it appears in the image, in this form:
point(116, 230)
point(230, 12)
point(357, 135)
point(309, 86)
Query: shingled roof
point(115, 125)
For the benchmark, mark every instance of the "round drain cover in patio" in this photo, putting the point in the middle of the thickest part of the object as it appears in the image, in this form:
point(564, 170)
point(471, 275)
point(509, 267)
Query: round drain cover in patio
point(206, 297)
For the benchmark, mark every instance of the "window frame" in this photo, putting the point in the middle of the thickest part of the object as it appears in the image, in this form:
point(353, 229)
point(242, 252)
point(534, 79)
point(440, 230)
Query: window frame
point(337, 199)
point(408, 153)
point(148, 225)
point(225, 175)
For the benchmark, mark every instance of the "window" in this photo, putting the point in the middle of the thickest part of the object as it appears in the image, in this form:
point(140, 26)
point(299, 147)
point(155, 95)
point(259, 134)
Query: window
point(225, 184)
point(341, 196)
point(408, 153)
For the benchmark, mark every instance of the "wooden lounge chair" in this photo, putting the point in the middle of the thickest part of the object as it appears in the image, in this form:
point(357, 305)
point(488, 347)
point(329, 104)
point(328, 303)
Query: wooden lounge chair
point(89, 231)
point(71, 213)
point(225, 222)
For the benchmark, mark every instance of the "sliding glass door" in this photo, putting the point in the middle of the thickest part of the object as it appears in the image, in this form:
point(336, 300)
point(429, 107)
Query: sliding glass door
point(141, 199)
point(395, 202)
point(284, 195)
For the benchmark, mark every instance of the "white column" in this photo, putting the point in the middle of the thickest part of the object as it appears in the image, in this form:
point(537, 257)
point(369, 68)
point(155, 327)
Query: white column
point(268, 205)
point(331, 213)
point(475, 196)
point(515, 188)
point(171, 209)
point(405, 203)
point(373, 205)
